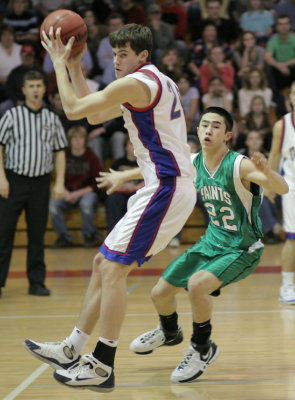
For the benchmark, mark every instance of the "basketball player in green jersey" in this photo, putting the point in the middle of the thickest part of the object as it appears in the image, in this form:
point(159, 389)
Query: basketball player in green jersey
point(230, 186)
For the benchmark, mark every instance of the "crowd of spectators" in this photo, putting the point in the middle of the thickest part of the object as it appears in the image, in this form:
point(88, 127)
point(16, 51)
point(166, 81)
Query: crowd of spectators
point(236, 54)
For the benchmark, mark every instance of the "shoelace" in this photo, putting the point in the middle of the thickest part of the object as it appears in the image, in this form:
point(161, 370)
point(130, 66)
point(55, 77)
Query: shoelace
point(83, 365)
point(187, 357)
point(150, 335)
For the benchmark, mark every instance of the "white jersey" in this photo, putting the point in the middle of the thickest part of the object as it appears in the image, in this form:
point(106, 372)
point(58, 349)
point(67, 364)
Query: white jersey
point(158, 132)
point(287, 165)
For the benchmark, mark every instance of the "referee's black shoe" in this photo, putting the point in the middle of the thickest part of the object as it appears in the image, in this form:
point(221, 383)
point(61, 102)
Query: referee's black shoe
point(38, 289)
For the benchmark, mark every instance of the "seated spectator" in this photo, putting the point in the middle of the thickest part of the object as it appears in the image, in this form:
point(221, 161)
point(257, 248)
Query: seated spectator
point(248, 56)
point(271, 226)
point(108, 140)
point(255, 83)
point(256, 119)
point(215, 65)
point(201, 47)
point(175, 15)
point(171, 64)
point(9, 56)
point(116, 203)
point(257, 20)
point(163, 37)
point(14, 82)
point(95, 33)
point(228, 29)
point(286, 7)
point(218, 95)
point(82, 167)
point(24, 21)
point(104, 55)
point(189, 96)
point(280, 56)
point(130, 12)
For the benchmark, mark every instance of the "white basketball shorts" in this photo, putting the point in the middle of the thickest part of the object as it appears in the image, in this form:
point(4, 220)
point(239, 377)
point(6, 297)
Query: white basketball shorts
point(155, 214)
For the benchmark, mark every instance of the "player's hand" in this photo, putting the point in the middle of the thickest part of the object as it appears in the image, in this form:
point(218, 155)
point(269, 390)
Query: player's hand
point(55, 47)
point(110, 180)
point(261, 163)
point(4, 188)
point(74, 60)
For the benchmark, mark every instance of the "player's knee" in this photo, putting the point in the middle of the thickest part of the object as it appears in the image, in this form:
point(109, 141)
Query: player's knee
point(97, 261)
point(196, 285)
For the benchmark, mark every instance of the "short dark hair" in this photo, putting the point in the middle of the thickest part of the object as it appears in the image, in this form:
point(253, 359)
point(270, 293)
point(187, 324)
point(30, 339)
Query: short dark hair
point(228, 120)
point(33, 75)
point(138, 36)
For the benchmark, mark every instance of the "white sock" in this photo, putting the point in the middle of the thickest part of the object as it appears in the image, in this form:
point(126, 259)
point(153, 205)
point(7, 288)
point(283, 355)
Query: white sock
point(78, 339)
point(108, 342)
point(288, 278)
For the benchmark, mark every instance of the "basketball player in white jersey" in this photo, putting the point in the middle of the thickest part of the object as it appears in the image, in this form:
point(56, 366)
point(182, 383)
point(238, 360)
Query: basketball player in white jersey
point(282, 156)
point(153, 115)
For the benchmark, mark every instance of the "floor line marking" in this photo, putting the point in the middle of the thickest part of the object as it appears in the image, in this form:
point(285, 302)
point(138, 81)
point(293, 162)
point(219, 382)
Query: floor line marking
point(287, 310)
point(22, 386)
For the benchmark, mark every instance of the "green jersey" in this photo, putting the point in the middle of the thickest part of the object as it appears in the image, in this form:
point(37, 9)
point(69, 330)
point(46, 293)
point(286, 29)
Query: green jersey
point(233, 210)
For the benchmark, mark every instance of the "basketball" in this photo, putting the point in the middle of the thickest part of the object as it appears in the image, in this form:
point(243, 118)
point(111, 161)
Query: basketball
point(71, 24)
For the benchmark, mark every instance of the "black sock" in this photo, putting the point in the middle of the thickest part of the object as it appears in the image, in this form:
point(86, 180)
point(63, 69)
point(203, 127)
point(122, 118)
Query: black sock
point(105, 353)
point(201, 333)
point(169, 322)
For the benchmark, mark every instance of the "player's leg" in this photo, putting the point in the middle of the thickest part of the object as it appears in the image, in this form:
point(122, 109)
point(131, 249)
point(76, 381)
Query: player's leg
point(168, 333)
point(202, 350)
point(95, 371)
point(65, 353)
point(287, 290)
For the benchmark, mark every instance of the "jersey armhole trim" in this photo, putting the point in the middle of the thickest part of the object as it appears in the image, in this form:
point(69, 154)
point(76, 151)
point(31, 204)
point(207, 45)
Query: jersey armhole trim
point(157, 97)
point(282, 133)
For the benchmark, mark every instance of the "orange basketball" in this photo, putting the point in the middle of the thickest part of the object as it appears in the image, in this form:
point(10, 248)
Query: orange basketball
point(71, 24)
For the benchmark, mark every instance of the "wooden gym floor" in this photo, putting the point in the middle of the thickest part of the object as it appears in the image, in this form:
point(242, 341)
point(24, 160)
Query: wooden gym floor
point(255, 333)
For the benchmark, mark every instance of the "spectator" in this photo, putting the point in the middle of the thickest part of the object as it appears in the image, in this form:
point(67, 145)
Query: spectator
point(9, 56)
point(82, 167)
point(201, 47)
point(249, 55)
point(104, 53)
point(256, 119)
point(131, 12)
point(14, 82)
point(162, 32)
point(175, 15)
point(24, 21)
point(215, 65)
point(171, 64)
point(280, 56)
point(271, 226)
point(25, 177)
point(255, 83)
point(116, 203)
point(218, 95)
point(257, 20)
point(228, 30)
point(286, 7)
point(189, 96)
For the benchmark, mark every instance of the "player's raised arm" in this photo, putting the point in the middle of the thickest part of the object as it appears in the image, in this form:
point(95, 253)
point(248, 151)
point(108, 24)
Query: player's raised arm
point(258, 170)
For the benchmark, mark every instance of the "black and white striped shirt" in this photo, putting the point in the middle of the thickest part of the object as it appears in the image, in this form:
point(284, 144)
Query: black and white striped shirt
point(30, 138)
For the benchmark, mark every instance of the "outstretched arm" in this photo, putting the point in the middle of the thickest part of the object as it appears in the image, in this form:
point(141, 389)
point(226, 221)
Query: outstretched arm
point(258, 170)
point(113, 179)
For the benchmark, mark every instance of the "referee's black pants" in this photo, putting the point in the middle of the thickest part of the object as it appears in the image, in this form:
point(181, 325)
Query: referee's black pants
point(31, 195)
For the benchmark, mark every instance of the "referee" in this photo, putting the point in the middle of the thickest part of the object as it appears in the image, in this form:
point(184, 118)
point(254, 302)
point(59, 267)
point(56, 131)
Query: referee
point(30, 135)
